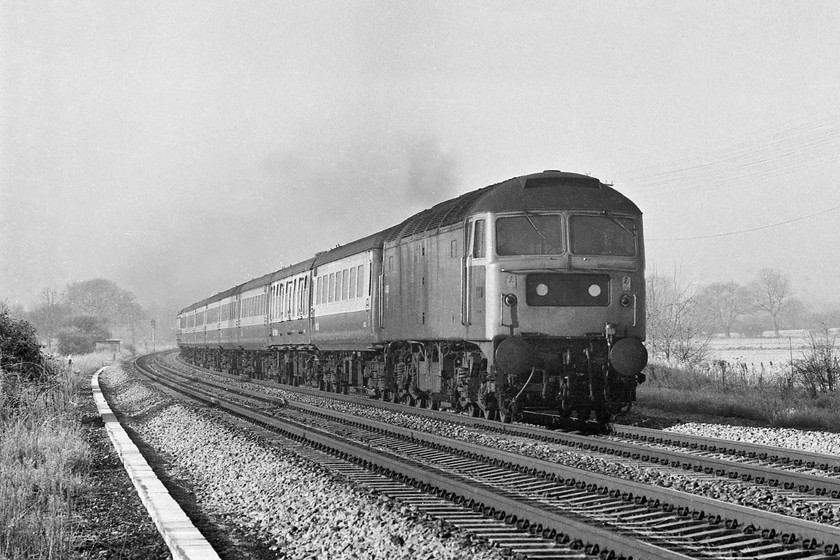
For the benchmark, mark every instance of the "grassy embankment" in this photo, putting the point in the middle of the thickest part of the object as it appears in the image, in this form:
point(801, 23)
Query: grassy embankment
point(44, 459)
point(775, 403)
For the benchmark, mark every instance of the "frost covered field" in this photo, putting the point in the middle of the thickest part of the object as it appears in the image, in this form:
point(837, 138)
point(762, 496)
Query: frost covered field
point(758, 350)
point(765, 354)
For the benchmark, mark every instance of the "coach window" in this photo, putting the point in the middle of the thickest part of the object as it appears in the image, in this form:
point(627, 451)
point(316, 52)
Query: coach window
point(303, 295)
point(345, 279)
point(280, 296)
point(277, 302)
point(352, 283)
point(338, 286)
point(360, 281)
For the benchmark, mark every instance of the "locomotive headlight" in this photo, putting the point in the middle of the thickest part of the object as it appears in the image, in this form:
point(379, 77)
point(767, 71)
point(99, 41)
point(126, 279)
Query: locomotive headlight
point(510, 299)
point(625, 300)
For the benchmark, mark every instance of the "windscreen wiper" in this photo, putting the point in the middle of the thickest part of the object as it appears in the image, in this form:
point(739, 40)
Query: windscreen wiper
point(533, 225)
point(609, 215)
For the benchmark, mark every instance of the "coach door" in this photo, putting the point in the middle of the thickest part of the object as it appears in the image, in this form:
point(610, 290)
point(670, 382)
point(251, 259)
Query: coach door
point(473, 300)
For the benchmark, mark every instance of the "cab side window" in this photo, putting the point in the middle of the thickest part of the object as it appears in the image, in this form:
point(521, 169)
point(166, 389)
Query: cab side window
point(479, 250)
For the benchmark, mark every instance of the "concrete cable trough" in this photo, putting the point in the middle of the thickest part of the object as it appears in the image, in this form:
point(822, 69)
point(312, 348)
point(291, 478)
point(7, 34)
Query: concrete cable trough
point(185, 542)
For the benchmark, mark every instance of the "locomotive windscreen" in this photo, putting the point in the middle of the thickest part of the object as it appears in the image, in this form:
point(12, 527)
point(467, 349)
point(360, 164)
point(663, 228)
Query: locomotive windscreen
point(529, 235)
point(603, 235)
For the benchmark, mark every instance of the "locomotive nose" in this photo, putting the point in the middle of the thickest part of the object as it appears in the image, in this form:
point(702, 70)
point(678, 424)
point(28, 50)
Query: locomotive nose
point(515, 356)
point(628, 356)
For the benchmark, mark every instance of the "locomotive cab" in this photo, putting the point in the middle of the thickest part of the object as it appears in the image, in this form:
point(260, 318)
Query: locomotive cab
point(563, 304)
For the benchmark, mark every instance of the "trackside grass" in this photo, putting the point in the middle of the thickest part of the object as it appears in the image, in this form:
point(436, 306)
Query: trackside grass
point(44, 459)
point(777, 403)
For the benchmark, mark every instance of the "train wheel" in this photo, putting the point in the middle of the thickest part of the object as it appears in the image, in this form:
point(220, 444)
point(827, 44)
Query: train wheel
point(602, 415)
point(583, 418)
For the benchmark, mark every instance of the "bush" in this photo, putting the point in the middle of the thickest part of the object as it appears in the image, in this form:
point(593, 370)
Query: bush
point(819, 369)
point(709, 390)
point(20, 352)
point(80, 334)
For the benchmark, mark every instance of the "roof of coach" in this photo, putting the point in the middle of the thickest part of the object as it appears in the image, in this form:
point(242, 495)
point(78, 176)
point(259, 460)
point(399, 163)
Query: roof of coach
point(263, 280)
point(291, 270)
point(368, 243)
point(267, 279)
point(555, 190)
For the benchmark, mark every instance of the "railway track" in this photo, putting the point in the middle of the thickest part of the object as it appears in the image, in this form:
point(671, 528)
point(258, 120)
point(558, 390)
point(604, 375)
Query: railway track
point(538, 496)
point(788, 469)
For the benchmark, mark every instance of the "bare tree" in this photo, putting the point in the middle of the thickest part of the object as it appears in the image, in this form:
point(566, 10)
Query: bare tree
point(47, 317)
point(771, 292)
point(104, 299)
point(725, 301)
point(675, 320)
point(819, 368)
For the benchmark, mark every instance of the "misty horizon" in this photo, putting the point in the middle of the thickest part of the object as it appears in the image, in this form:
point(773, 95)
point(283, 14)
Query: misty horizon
point(180, 149)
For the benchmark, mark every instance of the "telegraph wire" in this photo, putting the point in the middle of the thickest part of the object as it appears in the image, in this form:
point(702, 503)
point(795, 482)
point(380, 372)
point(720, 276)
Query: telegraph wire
point(768, 226)
point(815, 137)
point(785, 152)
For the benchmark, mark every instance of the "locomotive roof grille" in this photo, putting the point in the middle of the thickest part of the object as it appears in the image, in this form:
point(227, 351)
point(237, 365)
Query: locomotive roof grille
point(441, 215)
point(580, 182)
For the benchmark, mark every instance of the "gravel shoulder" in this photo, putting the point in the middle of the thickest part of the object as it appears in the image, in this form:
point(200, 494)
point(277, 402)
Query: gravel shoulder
point(110, 521)
point(657, 419)
point(255, 500)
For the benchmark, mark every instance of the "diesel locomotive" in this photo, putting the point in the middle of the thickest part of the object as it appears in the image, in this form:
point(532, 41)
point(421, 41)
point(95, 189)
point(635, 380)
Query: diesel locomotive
point(526, 297)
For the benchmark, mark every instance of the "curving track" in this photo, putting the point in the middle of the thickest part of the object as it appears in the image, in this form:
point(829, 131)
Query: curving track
point(542, 499)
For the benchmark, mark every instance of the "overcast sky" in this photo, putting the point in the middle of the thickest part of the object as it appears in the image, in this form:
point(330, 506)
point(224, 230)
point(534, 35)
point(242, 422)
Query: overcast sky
point(179, 148)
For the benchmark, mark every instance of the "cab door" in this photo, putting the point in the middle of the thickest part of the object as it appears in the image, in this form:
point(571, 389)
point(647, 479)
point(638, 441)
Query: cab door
point(474, 300)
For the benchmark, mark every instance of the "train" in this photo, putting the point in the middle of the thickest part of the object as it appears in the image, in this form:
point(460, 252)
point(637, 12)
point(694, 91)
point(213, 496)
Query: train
point(524, 299)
